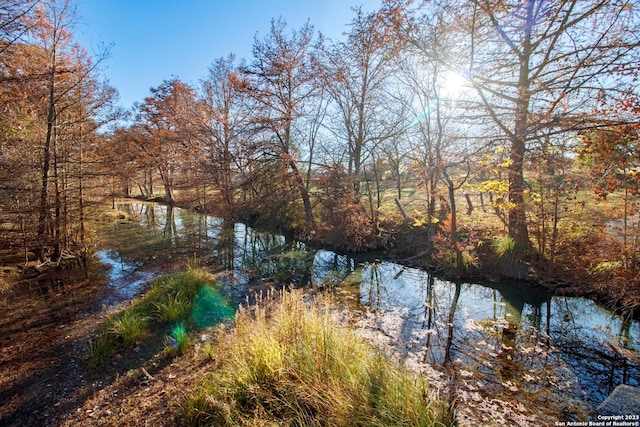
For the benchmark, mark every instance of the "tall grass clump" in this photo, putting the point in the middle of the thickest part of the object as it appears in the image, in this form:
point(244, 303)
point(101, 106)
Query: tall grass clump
point(286, 363)
point(170, 296)
point(504, 246)
point(177, 342)
point(510, 258)
point(101, 350)
point(130, 326)
point(173, 308)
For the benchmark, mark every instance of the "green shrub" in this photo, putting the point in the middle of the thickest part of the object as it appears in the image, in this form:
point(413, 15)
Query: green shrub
point(183, 298)
point(101, 350)
point(510, 258)
point(504, 246)
point(173, 309)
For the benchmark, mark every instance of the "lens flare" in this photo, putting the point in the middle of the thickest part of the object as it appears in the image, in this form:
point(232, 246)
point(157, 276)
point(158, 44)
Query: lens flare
point(211, 308)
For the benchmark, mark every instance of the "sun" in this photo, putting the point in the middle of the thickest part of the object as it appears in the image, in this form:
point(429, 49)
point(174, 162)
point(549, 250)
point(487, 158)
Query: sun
point(453, 84)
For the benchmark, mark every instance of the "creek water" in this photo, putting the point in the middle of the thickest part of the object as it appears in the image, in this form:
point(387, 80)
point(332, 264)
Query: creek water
point(505, 346)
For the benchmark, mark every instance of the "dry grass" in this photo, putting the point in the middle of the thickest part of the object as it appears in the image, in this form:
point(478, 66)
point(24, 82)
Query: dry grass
point(286, 363)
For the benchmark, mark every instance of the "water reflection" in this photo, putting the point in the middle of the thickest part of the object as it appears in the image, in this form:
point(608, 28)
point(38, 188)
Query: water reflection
point(157, 238)
point(505, 345)
point(505, 338)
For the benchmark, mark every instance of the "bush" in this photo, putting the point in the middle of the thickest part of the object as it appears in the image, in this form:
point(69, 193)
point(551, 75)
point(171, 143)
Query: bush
point(101, 350)
point(173, 308)
point(510, 258)
point(178, 341)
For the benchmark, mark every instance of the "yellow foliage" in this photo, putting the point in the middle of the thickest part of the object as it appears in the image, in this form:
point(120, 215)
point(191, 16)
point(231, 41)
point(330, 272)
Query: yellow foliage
point(496, 186)
point(535, 196)
point(506, 163)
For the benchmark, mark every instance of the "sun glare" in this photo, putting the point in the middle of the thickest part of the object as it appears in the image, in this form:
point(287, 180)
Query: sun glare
point(453, 84)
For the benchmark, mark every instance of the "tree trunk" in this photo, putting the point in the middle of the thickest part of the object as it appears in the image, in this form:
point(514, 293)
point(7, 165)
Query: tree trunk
point(310, 223)
point(43, 216)
point(165, 175)
point(453, 238)
point(517, 220)
point(57, 227)
point(81, 191)
point(469, 204)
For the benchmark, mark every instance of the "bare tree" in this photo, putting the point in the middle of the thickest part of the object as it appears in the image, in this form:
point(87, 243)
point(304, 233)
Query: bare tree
point(355, 72)
point(283, 83)
point(15, 21)
point(435, 116)
point(536, 68)
point(227, 127)
point(537, 65)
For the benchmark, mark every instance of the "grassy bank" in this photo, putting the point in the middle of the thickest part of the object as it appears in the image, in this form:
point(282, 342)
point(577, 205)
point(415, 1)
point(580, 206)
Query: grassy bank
point(285, 363)
point(172, 306)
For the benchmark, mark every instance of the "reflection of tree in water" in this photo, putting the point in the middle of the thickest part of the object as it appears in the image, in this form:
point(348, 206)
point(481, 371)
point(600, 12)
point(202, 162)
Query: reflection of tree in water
point(226, 244)
point(193, 233)
point(374, 294)
point(331, 270)
point(338, 275)
point(602, 358)
point(157, 235)
point(498, 360)
point(271, 260)
point(429, 307)
point(150, 215)
point(506, 363)
point(450, 323)
point(170, 235)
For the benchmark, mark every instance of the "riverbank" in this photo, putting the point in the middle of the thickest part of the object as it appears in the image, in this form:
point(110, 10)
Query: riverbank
point(146, 381)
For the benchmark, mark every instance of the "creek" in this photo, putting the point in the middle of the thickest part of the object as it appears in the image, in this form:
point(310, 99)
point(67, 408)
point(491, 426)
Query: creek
point(505, 346)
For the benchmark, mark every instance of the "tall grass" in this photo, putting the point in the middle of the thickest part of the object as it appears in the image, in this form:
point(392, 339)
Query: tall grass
point(286, 363)
point(509, 258)
point(130, 326)
point(173, 308)
point(177, 342)
point(170, 296)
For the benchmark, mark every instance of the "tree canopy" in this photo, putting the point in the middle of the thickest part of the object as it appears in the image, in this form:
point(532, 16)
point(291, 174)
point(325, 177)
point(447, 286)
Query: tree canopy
point(457, 100)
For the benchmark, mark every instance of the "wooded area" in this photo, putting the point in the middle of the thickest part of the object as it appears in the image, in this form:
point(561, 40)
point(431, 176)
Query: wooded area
point(523, 111)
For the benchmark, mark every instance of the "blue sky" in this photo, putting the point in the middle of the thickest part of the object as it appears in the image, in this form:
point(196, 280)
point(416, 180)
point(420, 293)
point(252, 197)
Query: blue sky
point(154, 40)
